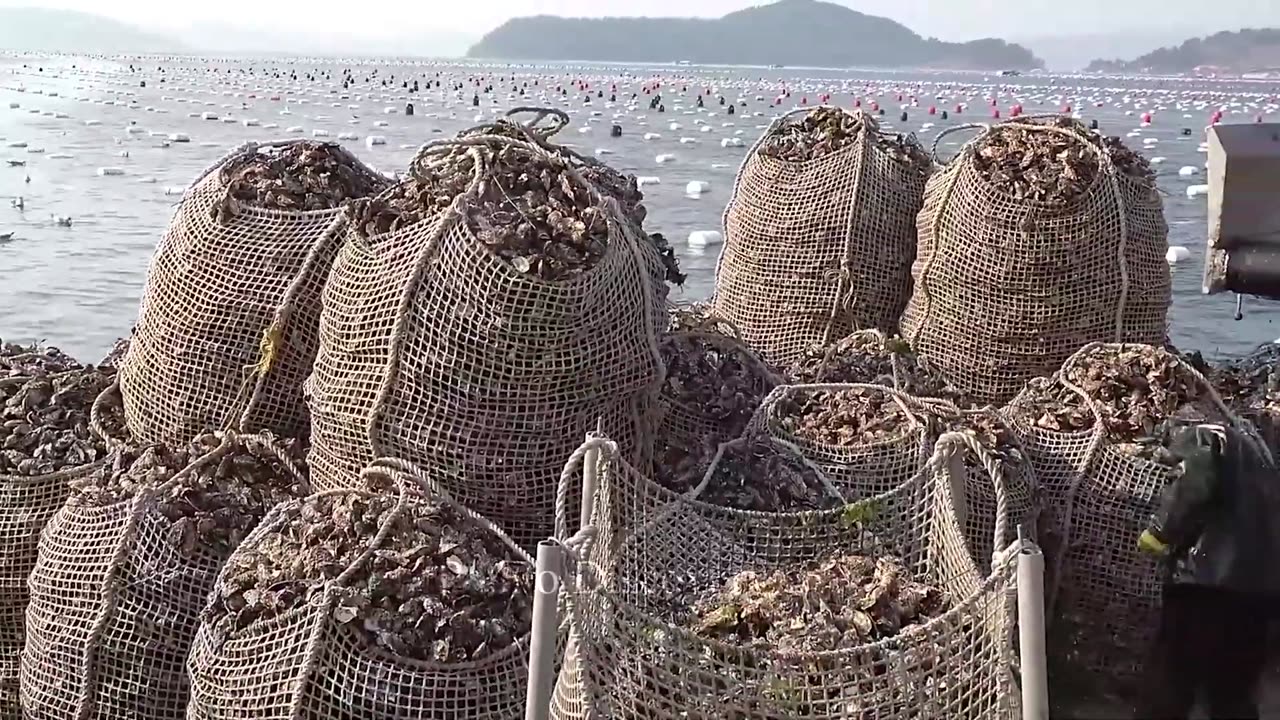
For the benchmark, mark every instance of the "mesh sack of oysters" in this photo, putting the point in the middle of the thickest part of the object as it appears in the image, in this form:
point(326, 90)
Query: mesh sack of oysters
point(46, 403)
point(867, 438)
point(295, 177)
point(528, 209)
point(711, 391)
point(1020, 159)
point(379, 581)
point(1112, 410)
point(1251, 387)
point(826, 131)
point(125, 567)
point(723, 614)
point(869, 357)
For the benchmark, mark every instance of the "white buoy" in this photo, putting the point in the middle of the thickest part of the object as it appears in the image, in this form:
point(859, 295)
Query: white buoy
point(603, 151)
point(390, 110)
point(652, 136)
point(91, 123)
point(208, 116)
point(60, 156)
point(673, 126)
point(173, 190)
point(705, 129)
point(106, 171)
point(1189, 171)
point(146, 180)
point(1157, 160)
point(179, 138)
point(1177, 254)
point(380, 123)
point(348, 136)
point(319, 133)
point(35, 150)
point(1197, 190)
point(295, 129)
point(374, 140)
point(134, 130)
point(688, 141)
point(250, 122)
point(731, 142)
point(1150, 141)
point(665, 158)
point(648, 180)
point(697, 187)
point(703, 238)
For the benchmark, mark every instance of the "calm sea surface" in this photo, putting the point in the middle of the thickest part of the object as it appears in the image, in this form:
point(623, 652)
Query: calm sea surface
point(64, 121)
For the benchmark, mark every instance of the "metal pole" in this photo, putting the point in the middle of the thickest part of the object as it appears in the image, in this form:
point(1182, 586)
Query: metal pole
point(542, 638)
point(1031, 638)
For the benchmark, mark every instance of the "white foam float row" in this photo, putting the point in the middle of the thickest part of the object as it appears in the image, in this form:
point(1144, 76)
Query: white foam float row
point(697, 187)
point(703, 238)
point(1197, 190)
point(110, 171)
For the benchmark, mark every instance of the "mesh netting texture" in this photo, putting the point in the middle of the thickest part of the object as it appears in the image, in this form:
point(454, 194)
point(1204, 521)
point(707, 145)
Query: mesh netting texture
point(1102, 593)
point(325, 650)
point(634, 652)
point(437, 350)
point(820, 246)
point(1006, 287)
point(124, 569)
point(227, 327)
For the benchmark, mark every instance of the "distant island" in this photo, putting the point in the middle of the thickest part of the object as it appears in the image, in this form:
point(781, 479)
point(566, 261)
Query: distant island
point(47, 29)
point(1242, 51)
point(788, 33)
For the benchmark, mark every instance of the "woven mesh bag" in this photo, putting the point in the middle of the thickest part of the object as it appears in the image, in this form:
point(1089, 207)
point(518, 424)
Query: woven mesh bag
point(1102, 593)
point(436, 351)
point(303, 664)
point(115, 603)
point(27, 504)
point(816, 249)
point(227, 328)
point(1005, 290)
point(692, 425)
point(628, 659)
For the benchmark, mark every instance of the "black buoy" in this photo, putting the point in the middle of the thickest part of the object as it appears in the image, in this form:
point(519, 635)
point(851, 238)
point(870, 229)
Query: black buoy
point(721, 99)
point(613, 98)
point(1093, 124)
point(599, 93)
point(700, 101)
point(1186, 131)
point(408, 108)
point(730, 111)
point(944, 114)
point(662, 108)
point(615, 131)
point(143, 83)
point(881, 111)
point(903, 116)
point(475, 101)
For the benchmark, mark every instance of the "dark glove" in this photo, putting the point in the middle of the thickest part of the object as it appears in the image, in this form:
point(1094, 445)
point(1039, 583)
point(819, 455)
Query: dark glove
point(1185, 503)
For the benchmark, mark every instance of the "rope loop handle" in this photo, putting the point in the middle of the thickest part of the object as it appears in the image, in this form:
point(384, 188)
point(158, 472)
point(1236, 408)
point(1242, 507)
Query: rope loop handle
point(560, 117)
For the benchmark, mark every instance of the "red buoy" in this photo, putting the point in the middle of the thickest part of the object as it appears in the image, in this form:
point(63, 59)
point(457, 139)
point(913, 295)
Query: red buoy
point(1146, 117)
point(959, 108)
point(875, 106)
point(1066, 108)
point(995, 113)
point(804, 100)
point(933, 110)
point(857, 102)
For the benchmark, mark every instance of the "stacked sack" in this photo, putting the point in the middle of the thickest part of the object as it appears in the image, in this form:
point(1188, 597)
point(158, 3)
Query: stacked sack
point(47, 441)
point(1097, 432)
point(387, 602)
point(227, 327)
point(480, 319)
point(763, 593)
point(1040, 237)
point(126, 565)
point(819, 232)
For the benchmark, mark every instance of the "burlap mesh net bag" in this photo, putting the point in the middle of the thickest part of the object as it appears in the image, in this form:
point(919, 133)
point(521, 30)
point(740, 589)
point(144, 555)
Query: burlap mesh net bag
point(116, 594)
point(436, 350)
point(817, 248)
point(1102, 593)
point(632, 656)
point(1006, 288)
point(303, 662)
point(226, 331)
point(30, 497)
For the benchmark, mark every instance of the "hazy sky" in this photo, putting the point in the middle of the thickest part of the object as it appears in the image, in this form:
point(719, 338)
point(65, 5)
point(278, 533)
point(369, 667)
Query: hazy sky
point(947, 19)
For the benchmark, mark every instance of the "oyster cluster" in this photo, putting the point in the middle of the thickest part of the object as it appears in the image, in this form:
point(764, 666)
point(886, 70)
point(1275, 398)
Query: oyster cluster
point(839, 603)
point(826, 130)
point(115, 355)
point(1029, 164)
point(46, 399)
point(302, 176)
point(32, 360)
point(990, 430)
point(845, 418)
point(718, 378)
point(439, 588)
point(756, 474)
point(697, 317)
point(1142, 392)
point(1251, 387)
point(213, 507)
point(869, 357)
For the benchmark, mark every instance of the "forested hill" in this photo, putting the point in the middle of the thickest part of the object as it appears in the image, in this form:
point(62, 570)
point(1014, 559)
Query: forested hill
point(37, 28)
point(1239, 51)
point(789, 32)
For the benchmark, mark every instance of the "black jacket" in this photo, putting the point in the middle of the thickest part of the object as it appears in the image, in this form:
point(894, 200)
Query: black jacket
point(1218, 525)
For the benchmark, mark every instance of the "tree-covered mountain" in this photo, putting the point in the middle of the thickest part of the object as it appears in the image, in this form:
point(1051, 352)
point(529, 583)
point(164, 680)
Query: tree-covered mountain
point(788, 32)
point(1239, 51)
point(36, 28)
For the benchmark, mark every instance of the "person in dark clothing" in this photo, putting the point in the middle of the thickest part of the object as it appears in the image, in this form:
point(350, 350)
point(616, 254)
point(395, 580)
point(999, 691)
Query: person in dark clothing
point(1214, 533)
